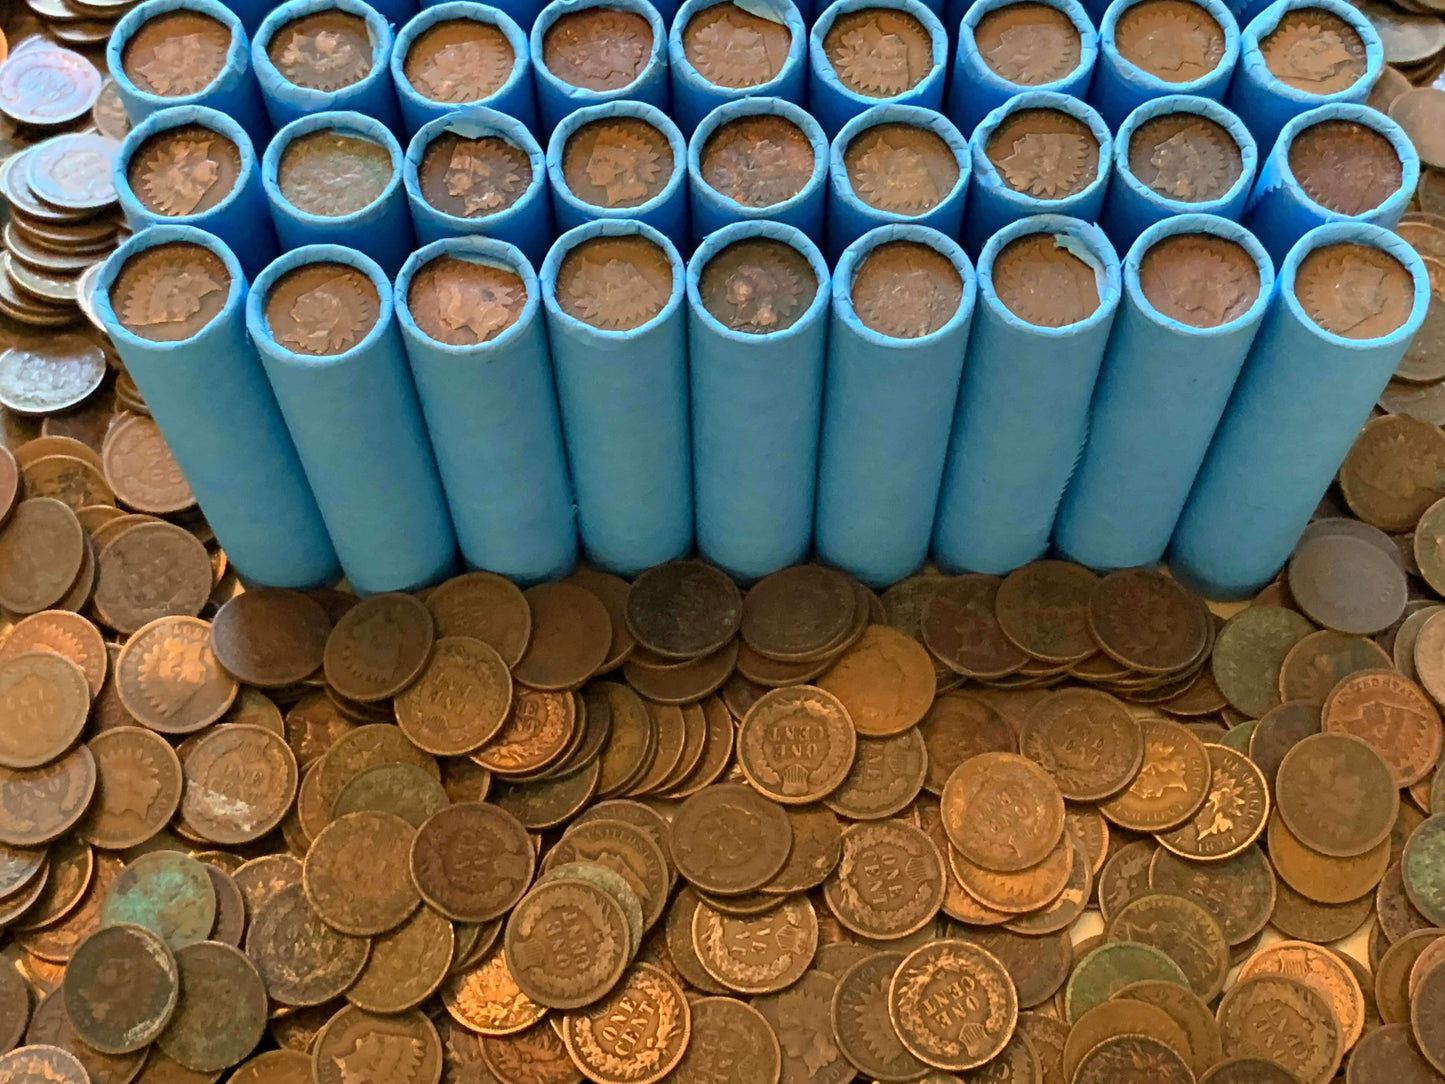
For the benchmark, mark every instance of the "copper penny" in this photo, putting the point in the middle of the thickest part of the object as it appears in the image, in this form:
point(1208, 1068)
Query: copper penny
point(953, 1005)
point(1044, 153)
point(1185, 156)
point(270, 637)
point(570, 636)
point(889, 882)
point(1117, 1017)
point(1199, 279)
point(1184, 931)
point(728, 839)
point(141, 470)
point(1283, 1021)
point(184, 170)
point(960, 629)
point(759, 954)
point(486, 999)
point(120, 989)
point(1249, 652)
point(1038, 966)
point(1175, 41)
point(46, 699)
point(796, 745)
point(1323, 878)
point(379, 647)
point(221, 1014)
point(357, 1046)
point(1233, 814)
point(322, 309)
point(625, 849)
point(757, 161)
point(464, 303)
point(1420, 869)
point(617, 162)
point(1172, 781)
point(472, 861)
point(1378, 303)
point(1017, 892)
point(1040, 282)
point(1322, 659)
point(683, 610)
point(325, 50)
point(356, 873)
point(1135, 1059)
point(1042, 608)
point(731, 1043)
point(860, 1020)
point(1029, 44)
point(1388, 1053)
point(461, 700)
point(1128, 602)
point(138, 786)
point(176, 54)
point(1393, 716)
point(41, 804)
point(959, 726)
point(459, 60)
point(798, 614)
point(566, 943)
point(1086, 740)
point(302, 960)
point(1336, 794)
point(598, 48)
point(878, 52)
point(168, 677)
point(406, 966)
point(165, 892)
point(1105, 969)
point(730, 46)
point(38, 1062)
point(472, 178)
point(331, 173)
point(1347, 583)
point(1314, 50)
point(536, 733)
point(1002, 812)
point(535, 1056)
point(240, 782)
point(887, 774)
point(1322, 971)
point(41, 551)
point(900, 168)
point(1345, 166)
point(758, 286)
point(636, 1034)
point(906, 290)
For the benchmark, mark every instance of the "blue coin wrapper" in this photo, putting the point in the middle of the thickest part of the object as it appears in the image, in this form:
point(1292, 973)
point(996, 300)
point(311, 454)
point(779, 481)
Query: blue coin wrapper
point(241, 219)
point(359, 432)
point(623, 401)
point(516, 96)
point(756, 405)
point(526, 223)
point(712, 210)
point(555, 98)
point(233, 91)
point(1023, 412)
point(887, 413)
point(666, 211)
point(1162, 389)
point(1296, 409)
point(694, 96)
point(210, 396)
point(491, 412)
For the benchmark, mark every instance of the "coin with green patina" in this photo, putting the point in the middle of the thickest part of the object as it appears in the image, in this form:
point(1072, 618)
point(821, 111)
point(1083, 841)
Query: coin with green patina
point(1249, 652)
point(1106, 970)
point(1423, 868)
point(165, 892)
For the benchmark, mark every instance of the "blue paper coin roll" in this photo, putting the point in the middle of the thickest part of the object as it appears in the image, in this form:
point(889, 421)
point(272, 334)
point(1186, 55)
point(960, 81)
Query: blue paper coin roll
point(863, 52)
point(757, 302)
point(372, 94)
point(461, 60)
point(732, 62)
point(1183, 49)
point(1173, 156)
point(485, 386)
point(889, 400)
point(1006, 47)
point(187, 179)
point(1063, 171)
point(209, 395)
point(1299, 403)
point(621, 369)
point(380, 226)
point(353, 414)
point(1023, 407)
point(1287, 202)
point(620, 153)
point(250, 12)
point(1325, 50)
point(479, 171)
point(231, 90)
point(608, 57)
point(740, 167)
point(896, 163)
point(1195, 290)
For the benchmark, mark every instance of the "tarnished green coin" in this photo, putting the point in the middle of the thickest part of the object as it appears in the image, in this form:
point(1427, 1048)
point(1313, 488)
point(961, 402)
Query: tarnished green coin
point(1423, 868)
point(165, 892)
point(222, 1011)
point(1249, 652)
point(1106, 970)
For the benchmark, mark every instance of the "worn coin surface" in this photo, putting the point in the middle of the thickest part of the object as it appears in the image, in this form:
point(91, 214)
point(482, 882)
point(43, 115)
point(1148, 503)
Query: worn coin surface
point(1336, 794)
point(566, 943)
point(953, 1005)
point(1002, 811)
point(120, 988)
point(1284, 1021)
point(796, 744)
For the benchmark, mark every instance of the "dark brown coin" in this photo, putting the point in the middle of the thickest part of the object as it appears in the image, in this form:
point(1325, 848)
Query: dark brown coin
point(889, 883)
point(149, 571)
point(878, 52)
point(472, 861)
point(598, 48)
point(1347, 584)
point(120, 989)
point(1239, 891)
point(1301, 918)
point(1314, 50)
point(1002, 812)
point(887, 774)
point(1282, 1021)
point(1183, 930)
point(322, 309)
point(756, 161)
point(758, 286)
point(535, 1056)
point(49, 1026)
point(1336, 795)
point(1196, 1019)
point(1345, 166)
point(325, 50)
point(1133, 1059)
point(168, 677)
point(1427, 1006)
point(796, 745)
point(406, 966)
point(40, 1063)
point(728, 839)
point(1173, 40)
point(1322, 971)
point(566, 943)
point(356, 1047)
point(379, 647)
point(1038, 966)
point(952, 1005)
point(45, 699)
point(221, 1014)
point(1185, 156)
point(472, 178)
point(271, 637)
point(356, 873)
point(461, 700)
point(1146, 621)
point(139, 786)
point(1113, 1018)
point(302, 960)
point(1388, 1053)
point(733, 47)
point(464, 303)
point(1393, 716)
point(1380, 305)
point(959, 726)
point(731, 1043)
point(798, 614)
point(240, 780)
point(960, 629)
point(901, 168)
point(274, 1067)
point(1322, 659)
point(42, 804)
point(906, 290)
point(184, 170)
point(485, 607)
point(683, 610)
point(176, 54)
point(1042, 608)
point(459, 60)
point(1199, 279)
point(1044, 153)
point(1086, 740)
point(860, 1020)
point(617, 162)
point(42, 547)
point(1028, 43)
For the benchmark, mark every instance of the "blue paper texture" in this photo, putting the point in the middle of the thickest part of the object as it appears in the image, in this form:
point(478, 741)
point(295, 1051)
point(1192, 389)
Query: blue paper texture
point(849, 218)
point(887, 412)
point(381, 229)
point(756, 408)
point(373, 96)
point(1023, 412)
point(210, 397)
point(1280, 212)
point(623, 400)
point(833, 103)
point(358, 429)
point(1296, 410)
point(1265, 103)
point(555, 98)
point(234, 91)
point(694, 96)
point(241, 220)
point(527, 223)
point(993, 205)
point(521, 12)
point(666, 211)
point(975, 89)
point(250, 12)
point(1131, 206)
point(1120, 86)
point(516, 97)
point(711, 210)
point(491, 412)
point(1160, 395)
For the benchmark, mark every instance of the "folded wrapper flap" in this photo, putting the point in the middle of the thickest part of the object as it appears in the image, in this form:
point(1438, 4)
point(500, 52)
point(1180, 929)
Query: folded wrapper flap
point(778, 11)
point(1082, 239)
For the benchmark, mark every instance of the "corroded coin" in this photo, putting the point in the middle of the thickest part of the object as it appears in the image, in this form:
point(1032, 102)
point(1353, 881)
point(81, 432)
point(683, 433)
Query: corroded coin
point(356, 873)
point(270, 637)
point(727, 839)
point(165, 892)
point(1421, 868)
point(1086, 740)
point(1105, 970)
point(953, 1005)
point(884, 681)
point(1233, 815)
point(627, 850)
point(1393, 716)
point(796, 744)
point(731, 1043)
point(1133, 1059)
point(461, 700)
point(1183, 930)
point(139, 785)
point(406, 965)
point(357, 1047)
point(404, 789)
point(1002, 811)
point(302, 960)
point(45, 698)
point(1283, 1021)
point(240, 781)
point(889, 883)
point(1146, 621)
point(221, 1014)
point(486, 999)
point(39, 1063)
point(1336, 794)
point(636, 1034)
point(1249, 652)
point(379, 647)
point(1322, 971)
point(566, 943)
point(120, 988)
point(1426, 1005)
point(758, 286)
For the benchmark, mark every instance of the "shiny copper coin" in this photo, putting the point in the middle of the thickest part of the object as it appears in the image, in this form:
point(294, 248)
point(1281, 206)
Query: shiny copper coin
point(658, 1029)
point(1172, 782)
point(982, 1008)
point(1233, 815)
point(534, 736)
